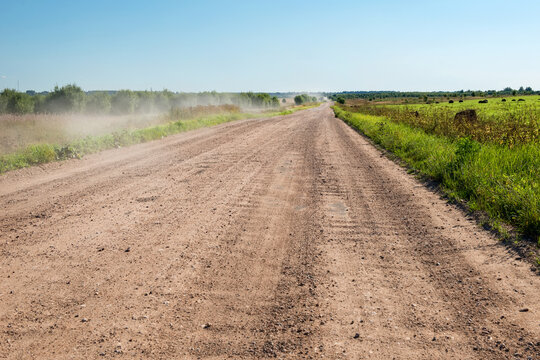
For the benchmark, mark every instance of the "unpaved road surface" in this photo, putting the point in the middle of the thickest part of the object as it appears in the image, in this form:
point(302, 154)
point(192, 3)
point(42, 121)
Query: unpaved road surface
point(289, 237)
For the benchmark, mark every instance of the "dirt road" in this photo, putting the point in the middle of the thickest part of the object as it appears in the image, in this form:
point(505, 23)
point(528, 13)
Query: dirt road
point(289, 237)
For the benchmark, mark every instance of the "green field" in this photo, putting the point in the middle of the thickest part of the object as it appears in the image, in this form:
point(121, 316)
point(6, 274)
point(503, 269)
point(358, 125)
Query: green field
point(507, 123)
point(492, 162)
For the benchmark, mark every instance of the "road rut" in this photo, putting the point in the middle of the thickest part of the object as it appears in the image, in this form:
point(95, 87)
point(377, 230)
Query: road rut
point(288, 237)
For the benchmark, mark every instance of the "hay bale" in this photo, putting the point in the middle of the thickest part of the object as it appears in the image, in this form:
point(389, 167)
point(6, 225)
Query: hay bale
point(466, 116)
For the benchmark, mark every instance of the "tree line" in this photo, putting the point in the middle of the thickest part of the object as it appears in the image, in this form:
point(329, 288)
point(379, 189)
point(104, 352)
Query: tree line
point(303, 99)
point(72, 99)
point(374, 95)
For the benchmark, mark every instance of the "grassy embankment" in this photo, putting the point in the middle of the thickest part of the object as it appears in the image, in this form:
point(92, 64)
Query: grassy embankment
point(176, 121)
point(496, 174)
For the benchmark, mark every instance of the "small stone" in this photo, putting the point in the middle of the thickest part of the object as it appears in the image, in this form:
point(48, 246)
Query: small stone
point(523, 310)
point(206, 326)
point(84, 320)
point(356, 336)
point(128, 249)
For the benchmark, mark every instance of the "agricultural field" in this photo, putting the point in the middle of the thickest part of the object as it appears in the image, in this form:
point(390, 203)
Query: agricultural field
point(485, 153)
point(510, 122)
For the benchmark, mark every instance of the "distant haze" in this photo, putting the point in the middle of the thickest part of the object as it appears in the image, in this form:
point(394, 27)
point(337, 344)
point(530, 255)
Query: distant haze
point(270, 46)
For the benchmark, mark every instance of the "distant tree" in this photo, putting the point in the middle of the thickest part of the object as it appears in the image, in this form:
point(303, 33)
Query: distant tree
point(39, 103)
point(340, 100)
point(68, 98)
point(257, 100)
point(161, 101)
point(123, 102)
point(284, 100)
point(98, 103)
point(304, 98)
point(145, 101)
point(15, 102)
point(21, 104)
point(3, 102)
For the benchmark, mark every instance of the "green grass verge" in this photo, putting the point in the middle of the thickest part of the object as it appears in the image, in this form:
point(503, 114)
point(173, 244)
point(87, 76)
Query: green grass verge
point(503, 182)
point(44, 153)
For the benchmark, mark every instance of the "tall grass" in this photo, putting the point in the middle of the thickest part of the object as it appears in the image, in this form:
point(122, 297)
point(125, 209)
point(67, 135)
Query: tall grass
point(504, 182)
point(179, 120)
point(20, 131)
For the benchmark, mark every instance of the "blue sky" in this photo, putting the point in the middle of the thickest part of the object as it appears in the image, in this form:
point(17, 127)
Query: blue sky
point(270, 45)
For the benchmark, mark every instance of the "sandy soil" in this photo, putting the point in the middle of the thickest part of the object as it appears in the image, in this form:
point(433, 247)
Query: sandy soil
point(290, 237)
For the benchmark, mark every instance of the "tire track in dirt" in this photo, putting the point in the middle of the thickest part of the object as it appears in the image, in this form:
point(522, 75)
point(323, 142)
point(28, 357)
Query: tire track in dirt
point(235, 168)
point(281, 238)
point(268, 252)
point(411, 277)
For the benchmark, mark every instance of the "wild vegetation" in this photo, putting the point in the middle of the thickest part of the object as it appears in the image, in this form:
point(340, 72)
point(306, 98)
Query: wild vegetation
point(491, 160)
point(72, 99)
point(35, 139)
point(408, 96)
point(510, 122)
point(304, 99)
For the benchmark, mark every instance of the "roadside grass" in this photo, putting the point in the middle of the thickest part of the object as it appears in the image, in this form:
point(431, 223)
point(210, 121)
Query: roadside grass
point(502, 181)
point(20, 131)
point(35, 154)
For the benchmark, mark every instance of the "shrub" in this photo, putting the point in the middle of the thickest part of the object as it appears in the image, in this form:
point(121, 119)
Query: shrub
point(98, 103)
point(123, 102)
point(68, 98)
point(15, 102)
